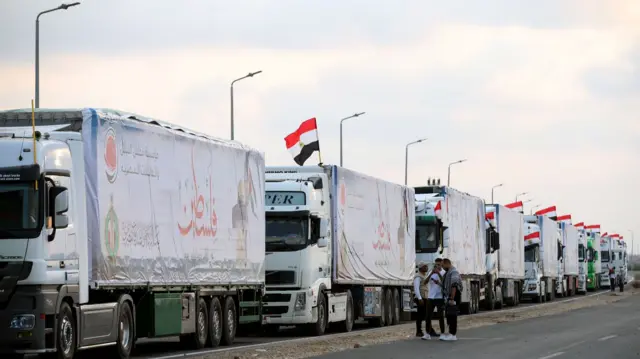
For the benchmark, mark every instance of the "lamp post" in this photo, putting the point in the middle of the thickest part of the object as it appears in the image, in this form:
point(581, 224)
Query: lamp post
point(61, 7)
point(520, 194)
point(534, 207)
point(250, 74)
point(494, 187)
point(449, 170)
point(341, 121)
point(406, 158)
point(632, 240)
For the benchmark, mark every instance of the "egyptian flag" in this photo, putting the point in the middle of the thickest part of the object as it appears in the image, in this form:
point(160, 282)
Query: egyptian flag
point(593, 228)
point(549, 212)
point(303, 142)
point(565, 219)
point(438, 209)
point(579, 225)
point(516, 206)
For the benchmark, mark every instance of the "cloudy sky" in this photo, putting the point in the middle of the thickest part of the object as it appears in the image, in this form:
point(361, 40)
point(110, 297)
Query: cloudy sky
point(542, 95)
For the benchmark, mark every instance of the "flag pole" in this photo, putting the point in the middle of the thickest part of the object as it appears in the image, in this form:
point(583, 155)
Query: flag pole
point(319, 153)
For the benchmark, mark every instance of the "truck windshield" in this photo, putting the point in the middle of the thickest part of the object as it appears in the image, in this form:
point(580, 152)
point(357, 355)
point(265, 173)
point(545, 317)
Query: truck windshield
point(604, 256)
point(581, 252)
point(426, 238)
point(531, 253)
point(286, 234)
point(590, 255)
point(19, 209)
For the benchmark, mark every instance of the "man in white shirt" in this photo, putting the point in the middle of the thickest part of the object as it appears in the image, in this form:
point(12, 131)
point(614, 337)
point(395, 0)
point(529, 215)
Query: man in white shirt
point(435, 300)
point(420, 292)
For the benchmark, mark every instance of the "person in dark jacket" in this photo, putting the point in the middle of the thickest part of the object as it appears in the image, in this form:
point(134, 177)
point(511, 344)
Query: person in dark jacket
point(452, 294)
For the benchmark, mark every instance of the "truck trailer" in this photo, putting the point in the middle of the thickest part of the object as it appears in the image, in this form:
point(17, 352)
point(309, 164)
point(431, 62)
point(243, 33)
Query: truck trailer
point(116, 227)
point(570, 260)
point(542, 247)
point(339, 248)
point(451, 224)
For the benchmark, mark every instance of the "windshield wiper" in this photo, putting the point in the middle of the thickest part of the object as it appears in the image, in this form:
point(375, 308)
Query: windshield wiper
point(283, 243)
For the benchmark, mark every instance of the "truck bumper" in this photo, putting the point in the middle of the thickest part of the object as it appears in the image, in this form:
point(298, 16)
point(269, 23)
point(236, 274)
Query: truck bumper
point(605, 281)
point(530, 288)
point(582, 283)
point(22, 322)
point(288, 308)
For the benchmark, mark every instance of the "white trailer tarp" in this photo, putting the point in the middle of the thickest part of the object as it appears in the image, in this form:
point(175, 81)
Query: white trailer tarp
point(549, 246)
point(168, 207)
point(464, 215)
point(373, 237)
point(570, 242)
point(511, 253)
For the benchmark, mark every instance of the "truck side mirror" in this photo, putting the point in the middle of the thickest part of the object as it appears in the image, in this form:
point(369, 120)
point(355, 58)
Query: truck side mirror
point(322, 242)
point(495, 240)
point(58, 206)
point(324, 227)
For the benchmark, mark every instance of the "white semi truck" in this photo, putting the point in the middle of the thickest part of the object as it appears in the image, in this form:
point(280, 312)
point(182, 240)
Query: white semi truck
point(570, 259)
point(606, 259)
point(339, 247)
point(542, 247)
point(505, 263)
point(613, 254)
point(116, 227)
point(451, 224)
point(582, 259)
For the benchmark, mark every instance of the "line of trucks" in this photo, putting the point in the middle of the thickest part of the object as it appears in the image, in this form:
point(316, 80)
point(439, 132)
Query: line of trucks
point(116, 227)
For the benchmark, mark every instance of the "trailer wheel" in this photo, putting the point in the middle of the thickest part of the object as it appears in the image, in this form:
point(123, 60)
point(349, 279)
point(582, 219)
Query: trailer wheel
point(388, 320)
point(66, 333)
point(198, 340)
point(124, 345)
point(396, 306)
point(215, 323)
point(229, 322)
point(320, 326)
point(347, 325)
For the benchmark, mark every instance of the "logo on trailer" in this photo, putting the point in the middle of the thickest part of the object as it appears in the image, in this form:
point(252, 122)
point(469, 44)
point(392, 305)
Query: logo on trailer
point(111, 232)
point(111, 155)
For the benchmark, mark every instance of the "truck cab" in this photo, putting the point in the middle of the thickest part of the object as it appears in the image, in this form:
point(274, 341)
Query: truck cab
point(430, 230)
point(606, 259)
point(594, 266)
point(534, 285)
point(298, 262)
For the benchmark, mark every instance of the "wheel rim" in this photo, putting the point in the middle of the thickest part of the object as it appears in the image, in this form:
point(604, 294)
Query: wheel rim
point(321, 316)
point(231, 321)
point(202, 325)
point(216, 325)
point(125, 331)
point(396, 308)
point(349, 313)
point(66, 341)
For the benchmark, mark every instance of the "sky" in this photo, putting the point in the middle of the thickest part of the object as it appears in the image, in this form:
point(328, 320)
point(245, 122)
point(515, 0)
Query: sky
point(543, 96)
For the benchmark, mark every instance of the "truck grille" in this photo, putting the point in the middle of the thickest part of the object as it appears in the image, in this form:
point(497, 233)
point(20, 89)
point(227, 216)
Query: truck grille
point(280, 277)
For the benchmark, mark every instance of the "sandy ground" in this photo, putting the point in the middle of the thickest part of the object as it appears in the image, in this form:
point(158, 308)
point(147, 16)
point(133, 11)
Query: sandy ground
point(317, 346)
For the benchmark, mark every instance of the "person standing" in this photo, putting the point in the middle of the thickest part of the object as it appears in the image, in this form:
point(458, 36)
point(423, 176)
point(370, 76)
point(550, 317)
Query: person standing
point(435, 300)
point(420, 292)
point(612, 278)
point(451, 290)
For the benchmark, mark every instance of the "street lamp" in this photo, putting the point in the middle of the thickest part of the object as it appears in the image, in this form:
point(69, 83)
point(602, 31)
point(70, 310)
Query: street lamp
point(494, 187)
point(406, 157)
point(250, 74)
point(341, 121)
point(534, 207)
point(520, 194)
point(449, 170)
point(631, 242)
point(61, 7)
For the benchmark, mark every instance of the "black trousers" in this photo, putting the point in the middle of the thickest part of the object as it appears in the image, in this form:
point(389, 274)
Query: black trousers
point(431, 305)
point(613, 284)
point(452, 322)
point(421, 315)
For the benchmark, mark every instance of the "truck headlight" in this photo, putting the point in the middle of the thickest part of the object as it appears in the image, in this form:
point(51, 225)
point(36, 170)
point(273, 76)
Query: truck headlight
point(301, 301)
point(23, 322)
point(588, 280)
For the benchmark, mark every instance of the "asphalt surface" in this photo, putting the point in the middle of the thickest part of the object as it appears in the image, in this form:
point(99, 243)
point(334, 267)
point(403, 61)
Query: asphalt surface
point(611, 331)
point(169, 347)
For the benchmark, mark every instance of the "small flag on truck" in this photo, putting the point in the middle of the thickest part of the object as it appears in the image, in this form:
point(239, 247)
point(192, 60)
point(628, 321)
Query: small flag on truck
point(516, 206)
point(303, 142)
point(565, 219)
point(549, 212)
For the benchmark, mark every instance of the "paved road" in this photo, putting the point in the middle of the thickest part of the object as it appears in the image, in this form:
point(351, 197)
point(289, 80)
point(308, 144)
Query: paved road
point(169, 347)
point(599, 332)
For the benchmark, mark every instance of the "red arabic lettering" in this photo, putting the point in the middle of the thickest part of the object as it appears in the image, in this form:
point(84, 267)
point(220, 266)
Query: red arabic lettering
point(197, 207)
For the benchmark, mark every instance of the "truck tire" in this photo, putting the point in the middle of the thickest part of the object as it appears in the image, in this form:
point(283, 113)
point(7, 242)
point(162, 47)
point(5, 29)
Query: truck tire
point(347, 325)
point(66, 333)
point(198, 340)
point(388, 302)
point(215, 323)
point(229, 321)
point(320, 326)
point(490, 301)
point(396, 306)
point(124, 345)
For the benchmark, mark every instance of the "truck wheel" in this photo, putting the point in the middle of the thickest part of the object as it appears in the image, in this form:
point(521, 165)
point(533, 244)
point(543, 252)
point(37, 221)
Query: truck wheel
point(490, 302)
point(198, 340)
point(396, 306)
point(388, 319)
point(347, 325)
point(215, 323)
point(66, 333)
point(229, 321)
point(124, 345)
point(318, 328)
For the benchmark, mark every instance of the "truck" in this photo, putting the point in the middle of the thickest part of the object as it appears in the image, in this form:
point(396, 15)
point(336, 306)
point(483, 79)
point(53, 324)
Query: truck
point(543, 246)
point(451, 224)
point(594, 264)
point(570, 258)
point(505, 264)
point(582, 259)
point(618, 256)
point(116, 227)
point(606, 259)
point(339, 248)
